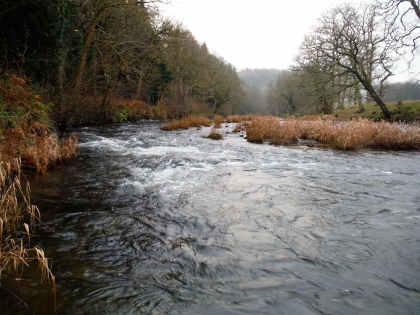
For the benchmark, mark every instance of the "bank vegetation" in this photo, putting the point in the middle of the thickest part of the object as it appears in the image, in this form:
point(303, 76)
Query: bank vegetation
point(17, 216)
point(328, 132)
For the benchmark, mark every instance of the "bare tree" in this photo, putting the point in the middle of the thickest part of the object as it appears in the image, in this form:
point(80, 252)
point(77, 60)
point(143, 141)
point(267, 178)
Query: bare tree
point(354, 41)
point(405, 13)
point(94, 11)
point(319, 79)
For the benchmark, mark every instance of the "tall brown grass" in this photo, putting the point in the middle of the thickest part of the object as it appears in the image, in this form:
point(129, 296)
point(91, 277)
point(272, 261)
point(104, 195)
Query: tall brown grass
point(187, 122)
point(37, 146)
point(342, 135)
point(273, 130)
point(218, 120)
point(234, 118)
point(391, 136)
point(239, 118)
point(17, 214)
point(214, 135)
point(239, 127)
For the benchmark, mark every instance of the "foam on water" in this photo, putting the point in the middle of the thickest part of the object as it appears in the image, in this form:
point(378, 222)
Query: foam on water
point(153, 222)
point(165, 150)
point(106, 143)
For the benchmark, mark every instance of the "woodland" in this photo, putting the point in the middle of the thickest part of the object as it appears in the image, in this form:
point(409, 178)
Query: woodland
point(99, 61)
point(88, 57)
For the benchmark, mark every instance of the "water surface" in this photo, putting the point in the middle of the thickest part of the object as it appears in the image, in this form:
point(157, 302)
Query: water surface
point(151, 222)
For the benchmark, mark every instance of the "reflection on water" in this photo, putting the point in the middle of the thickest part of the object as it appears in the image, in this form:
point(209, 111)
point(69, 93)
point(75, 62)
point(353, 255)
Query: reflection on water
point(149, 222)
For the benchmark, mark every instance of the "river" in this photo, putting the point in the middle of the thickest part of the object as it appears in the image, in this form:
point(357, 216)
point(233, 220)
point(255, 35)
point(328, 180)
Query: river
point(154, 222)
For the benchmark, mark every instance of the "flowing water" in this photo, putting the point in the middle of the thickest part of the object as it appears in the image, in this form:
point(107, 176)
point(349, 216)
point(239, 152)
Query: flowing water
point(151, 222)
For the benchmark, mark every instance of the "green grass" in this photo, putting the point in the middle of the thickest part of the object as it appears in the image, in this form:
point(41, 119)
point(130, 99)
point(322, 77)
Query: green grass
point(406, 111)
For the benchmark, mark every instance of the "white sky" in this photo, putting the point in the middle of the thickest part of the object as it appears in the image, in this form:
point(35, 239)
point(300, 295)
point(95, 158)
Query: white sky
point(252, 33)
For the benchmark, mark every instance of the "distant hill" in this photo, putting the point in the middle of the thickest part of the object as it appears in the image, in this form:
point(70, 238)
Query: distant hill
point(402, 91)
point(256, 83)
point(258, 78)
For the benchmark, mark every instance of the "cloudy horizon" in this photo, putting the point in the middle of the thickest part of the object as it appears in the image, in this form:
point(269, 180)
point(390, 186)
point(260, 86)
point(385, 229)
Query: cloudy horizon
point(263, 36)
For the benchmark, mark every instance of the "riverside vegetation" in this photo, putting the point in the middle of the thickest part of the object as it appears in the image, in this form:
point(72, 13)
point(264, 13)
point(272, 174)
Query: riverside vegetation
point(26, 129)
point(27, 140)
point(342, 135)
point(326, 131)
point(16, 218)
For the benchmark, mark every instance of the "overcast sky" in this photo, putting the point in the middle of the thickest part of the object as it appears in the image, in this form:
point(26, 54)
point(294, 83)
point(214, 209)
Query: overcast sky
point(251, 33)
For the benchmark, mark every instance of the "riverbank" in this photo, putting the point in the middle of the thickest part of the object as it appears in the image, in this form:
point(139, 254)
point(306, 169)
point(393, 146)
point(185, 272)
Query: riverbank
point(27, 131)
point(27, 141)
point(324, 131)
point(17, 255)
point(408, 111)
point(90, 110)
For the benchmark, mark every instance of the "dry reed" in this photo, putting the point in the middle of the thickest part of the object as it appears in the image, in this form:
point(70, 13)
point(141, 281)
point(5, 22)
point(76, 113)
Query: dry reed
point(234, 118)
point(17, 214)
point(348, 135)
point(393, 136)
point(272, 130)
point(37, 146)
point(239, 118)
point(187, 122)
point(214, 135)
point(238, 128)
point(218, 120)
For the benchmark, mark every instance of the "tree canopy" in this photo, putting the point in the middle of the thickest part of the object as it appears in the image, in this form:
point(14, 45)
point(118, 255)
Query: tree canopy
point(103, 49)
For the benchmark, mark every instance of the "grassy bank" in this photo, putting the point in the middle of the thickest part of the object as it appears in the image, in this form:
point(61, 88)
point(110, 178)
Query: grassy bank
point(27, 141)
point(408, 111)
point(76, 110)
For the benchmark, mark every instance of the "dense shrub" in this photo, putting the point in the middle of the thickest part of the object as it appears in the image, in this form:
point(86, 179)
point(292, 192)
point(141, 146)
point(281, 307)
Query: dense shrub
point(403, 112)
point(26, 130)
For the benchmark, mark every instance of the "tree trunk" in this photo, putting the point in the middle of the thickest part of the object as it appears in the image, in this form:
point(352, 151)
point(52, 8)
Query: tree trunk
point(105, 101)
point(139, 86)
point(415, 7)
point(358, 98)
point(95, 71)
point(378, 100)
point(86, 45)
point(61, 70)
